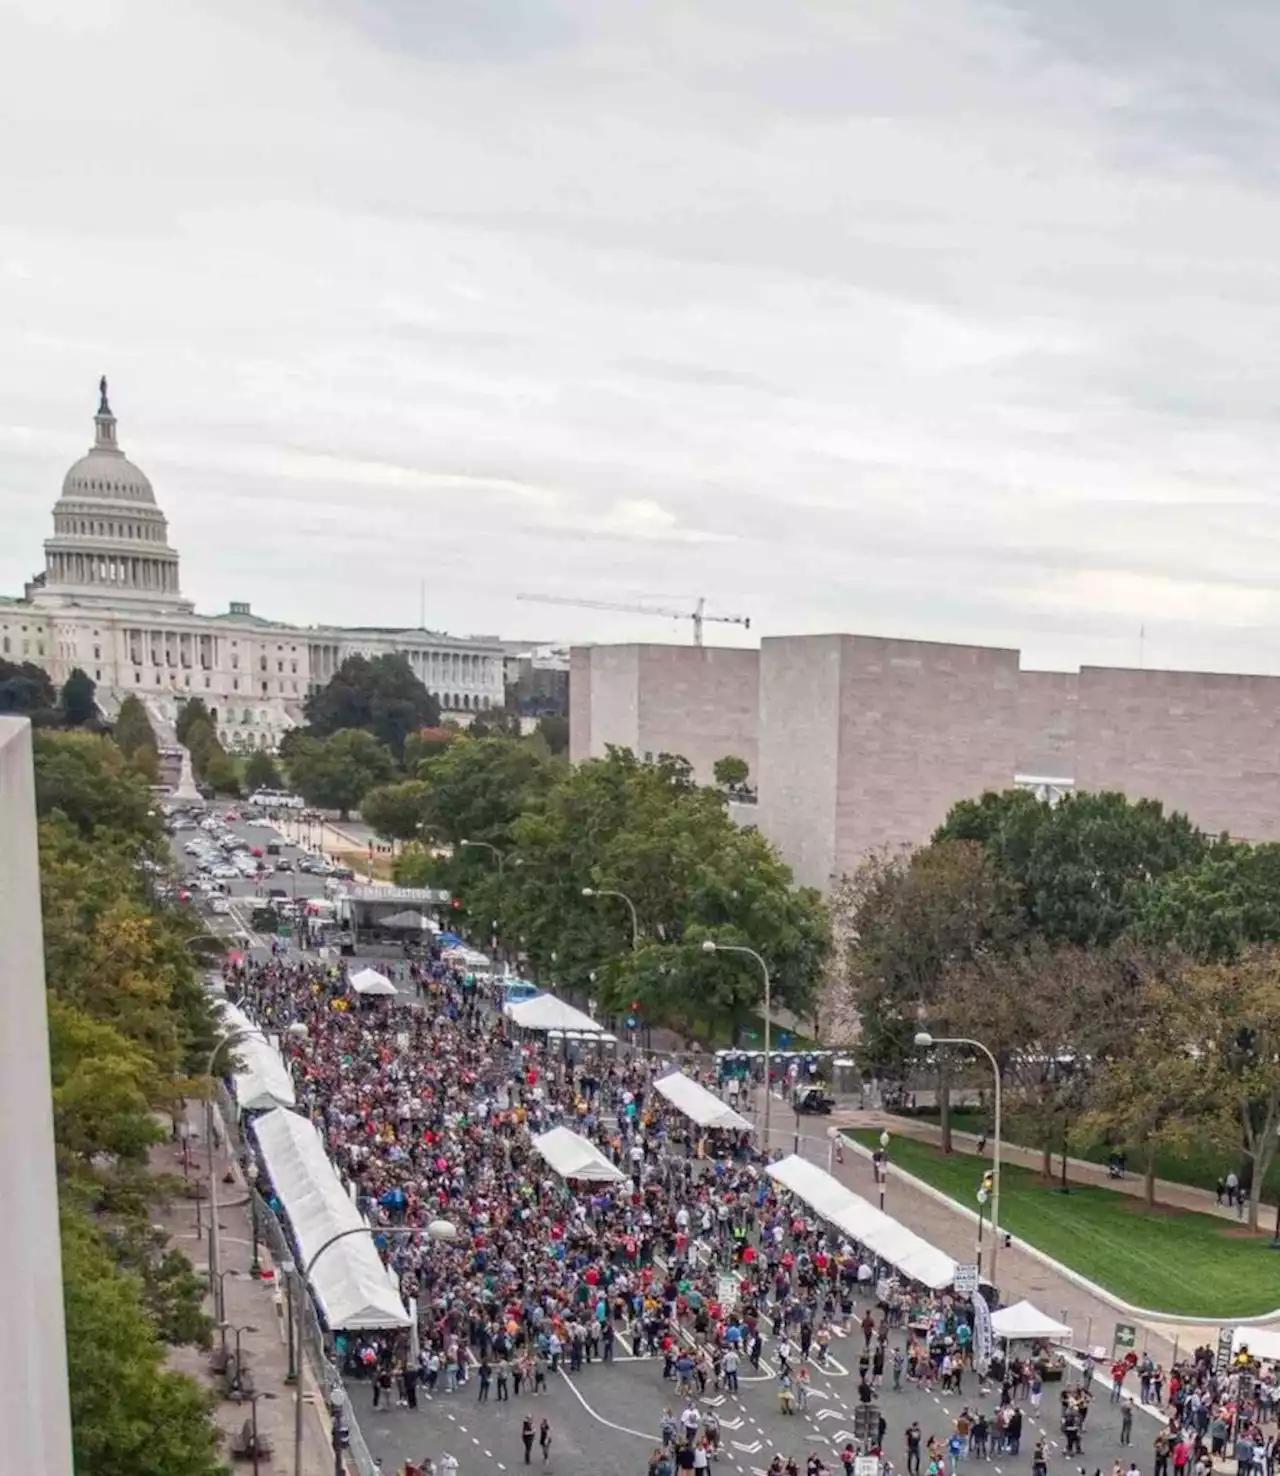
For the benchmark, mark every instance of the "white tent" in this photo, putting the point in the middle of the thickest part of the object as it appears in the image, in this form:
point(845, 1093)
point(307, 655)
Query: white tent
point(351, 1285)
point(698, 1104)
point(263, 1080)
point(863, 1222)
point(546, 1012)
point(1022, 1320)
point(1260, 1343)
point(370, 981)
point(573, 1157)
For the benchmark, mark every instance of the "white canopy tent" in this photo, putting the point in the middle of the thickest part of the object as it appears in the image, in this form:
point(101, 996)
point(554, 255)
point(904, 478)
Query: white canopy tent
point(698, 1104)
point(863, 1222)
point(1260, 1343)
point(546, 1012)
point(1025, 1321)
point(408, 922)
point(370, 981)
point(573, 1157)
point(351, 1285)
point(263, 1080)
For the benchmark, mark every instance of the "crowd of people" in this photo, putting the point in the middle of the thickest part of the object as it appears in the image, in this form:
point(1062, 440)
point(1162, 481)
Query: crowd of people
point(428, 1110)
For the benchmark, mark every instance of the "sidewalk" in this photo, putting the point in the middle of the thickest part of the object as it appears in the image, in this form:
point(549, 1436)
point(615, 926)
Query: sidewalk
point(256, 1307)
point(1080, 1170)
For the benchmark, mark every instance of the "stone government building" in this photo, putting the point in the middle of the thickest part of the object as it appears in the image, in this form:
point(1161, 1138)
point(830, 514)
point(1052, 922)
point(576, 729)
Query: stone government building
point(109, 601)
point(860, 742)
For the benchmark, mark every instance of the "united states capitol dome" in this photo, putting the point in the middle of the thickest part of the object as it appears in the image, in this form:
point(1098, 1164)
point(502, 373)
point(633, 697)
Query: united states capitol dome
point(110, 539)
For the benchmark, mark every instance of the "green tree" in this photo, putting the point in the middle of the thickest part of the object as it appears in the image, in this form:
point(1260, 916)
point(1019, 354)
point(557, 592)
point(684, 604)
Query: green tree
point(1081, 866)
point(1214, 910)
point(132, 729)
point(426, 744)
point(129, 1415)
point(193, 710)
point(78, 702)
point(336, 773)
point(907, 922)
point(261, 772)
point(380, 695)
point(480, 786)
point(731, 772)
point(220, 772)
point(25, 688)
point(397, 811)
point(85, 777)
point(1150, 1092)
point(553, 728)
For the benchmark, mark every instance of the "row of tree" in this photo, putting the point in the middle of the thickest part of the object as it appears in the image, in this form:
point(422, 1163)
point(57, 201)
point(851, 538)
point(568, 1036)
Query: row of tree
point(518, 836)
point(1122, 965)
point(129, 1029)
point(26, 689)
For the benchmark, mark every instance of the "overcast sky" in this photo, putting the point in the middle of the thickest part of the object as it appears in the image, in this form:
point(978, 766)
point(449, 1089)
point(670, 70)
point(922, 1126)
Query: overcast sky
point(951, 319)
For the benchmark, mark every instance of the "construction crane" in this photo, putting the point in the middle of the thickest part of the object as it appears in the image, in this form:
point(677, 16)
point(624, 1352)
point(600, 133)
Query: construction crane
point(698, 614)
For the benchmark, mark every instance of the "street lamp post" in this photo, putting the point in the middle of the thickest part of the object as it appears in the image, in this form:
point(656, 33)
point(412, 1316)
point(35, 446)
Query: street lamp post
point(253, 1400)
point(884, 1165)
point(635, 916)
point(243, 1328)
point(288, 1271)
point(444, 1230)
point(925, 1041)
point(709, 945)
point(215, 1286)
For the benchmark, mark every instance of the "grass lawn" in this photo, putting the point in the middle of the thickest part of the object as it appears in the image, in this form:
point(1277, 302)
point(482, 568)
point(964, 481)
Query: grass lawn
point(1197, 1166)
point(1168, 1260)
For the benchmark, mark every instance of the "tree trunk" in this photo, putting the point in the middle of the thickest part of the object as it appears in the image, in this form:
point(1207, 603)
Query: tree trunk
point(1149, 1180)
point(1046, 1161)
point(944, 1107)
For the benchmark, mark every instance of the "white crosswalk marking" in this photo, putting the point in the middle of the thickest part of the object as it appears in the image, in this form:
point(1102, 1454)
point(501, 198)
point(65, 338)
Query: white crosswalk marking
point(747, 1449)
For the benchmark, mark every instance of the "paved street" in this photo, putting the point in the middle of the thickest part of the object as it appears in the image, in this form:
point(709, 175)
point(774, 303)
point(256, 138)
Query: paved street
point(607, 1419)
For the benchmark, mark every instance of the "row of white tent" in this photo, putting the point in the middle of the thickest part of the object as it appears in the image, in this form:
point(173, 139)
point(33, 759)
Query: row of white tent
point(261, 1080)
point(862, 1222)
point(698, 1104)
point(574, 1157)
point(544, 1012)
point(351, 1285)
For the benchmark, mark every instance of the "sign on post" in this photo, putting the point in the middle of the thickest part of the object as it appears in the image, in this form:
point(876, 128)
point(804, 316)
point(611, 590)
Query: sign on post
point(727, 1291)
point(1226, 1339)
point(966, 1278)
point(866, 1466)
point(1126, 1335)
point(866, 1422)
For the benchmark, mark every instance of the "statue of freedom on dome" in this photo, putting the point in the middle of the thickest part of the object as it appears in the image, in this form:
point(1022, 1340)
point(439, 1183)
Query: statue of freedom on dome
point(103, 407)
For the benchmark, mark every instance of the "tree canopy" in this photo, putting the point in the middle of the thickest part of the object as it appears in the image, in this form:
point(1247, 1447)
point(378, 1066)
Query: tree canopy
point(261, 771)
point(25, 688)
point(78, 699)
point(335, 773)
point(617, 825)
point(380, 695)
point(129, 1026)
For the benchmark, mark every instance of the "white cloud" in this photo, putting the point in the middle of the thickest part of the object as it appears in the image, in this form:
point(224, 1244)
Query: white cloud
point(954, 318)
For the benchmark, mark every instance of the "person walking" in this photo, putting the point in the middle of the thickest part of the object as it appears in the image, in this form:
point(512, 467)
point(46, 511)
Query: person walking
point(504, 1373)
point(544, 1437)
point(526, 1434)
point(486, 1375)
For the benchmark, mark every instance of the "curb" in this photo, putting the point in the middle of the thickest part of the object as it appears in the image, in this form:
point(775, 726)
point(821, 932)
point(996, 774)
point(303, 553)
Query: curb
point(1143, 1314)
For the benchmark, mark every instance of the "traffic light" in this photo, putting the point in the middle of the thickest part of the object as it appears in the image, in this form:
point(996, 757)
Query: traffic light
point(456, 904)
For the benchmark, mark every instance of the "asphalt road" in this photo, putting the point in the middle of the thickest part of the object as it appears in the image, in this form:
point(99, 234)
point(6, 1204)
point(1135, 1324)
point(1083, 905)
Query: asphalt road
point(607, 1420)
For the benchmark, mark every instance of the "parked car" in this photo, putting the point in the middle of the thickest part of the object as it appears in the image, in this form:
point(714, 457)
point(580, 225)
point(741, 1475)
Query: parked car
point(284, 864)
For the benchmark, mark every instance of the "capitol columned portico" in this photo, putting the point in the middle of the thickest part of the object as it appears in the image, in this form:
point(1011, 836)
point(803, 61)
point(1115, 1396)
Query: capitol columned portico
point(110, 602)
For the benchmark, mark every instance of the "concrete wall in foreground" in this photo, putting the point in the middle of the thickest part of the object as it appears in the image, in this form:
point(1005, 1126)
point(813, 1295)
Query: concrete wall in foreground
point(35, 1411)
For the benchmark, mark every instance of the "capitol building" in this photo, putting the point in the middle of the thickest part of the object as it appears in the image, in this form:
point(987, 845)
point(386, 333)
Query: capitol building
point(110, 602)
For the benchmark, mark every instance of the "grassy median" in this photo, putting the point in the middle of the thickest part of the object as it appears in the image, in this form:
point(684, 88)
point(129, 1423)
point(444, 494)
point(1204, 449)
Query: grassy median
point(1166, 1260)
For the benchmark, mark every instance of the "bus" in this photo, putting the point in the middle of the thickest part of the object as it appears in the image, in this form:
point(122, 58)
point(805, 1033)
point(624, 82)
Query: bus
point(276, 799)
